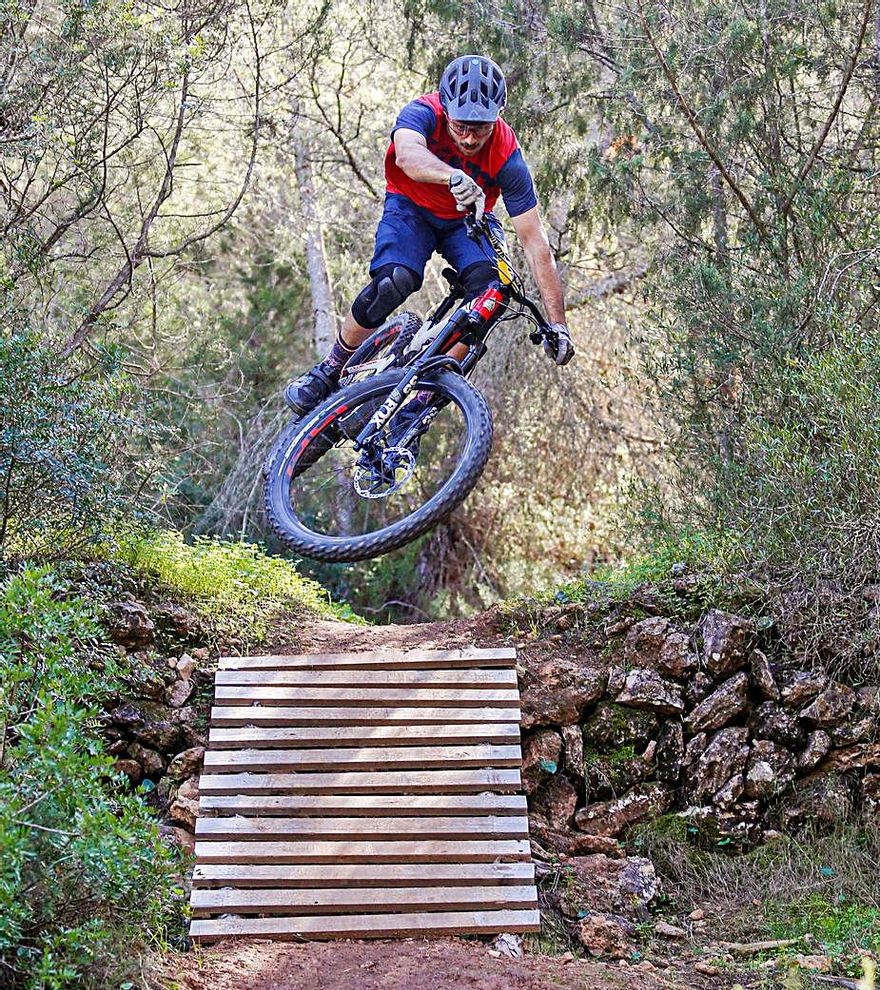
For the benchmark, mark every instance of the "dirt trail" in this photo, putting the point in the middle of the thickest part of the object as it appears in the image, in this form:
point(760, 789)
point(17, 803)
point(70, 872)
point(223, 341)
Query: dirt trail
point(408, 964)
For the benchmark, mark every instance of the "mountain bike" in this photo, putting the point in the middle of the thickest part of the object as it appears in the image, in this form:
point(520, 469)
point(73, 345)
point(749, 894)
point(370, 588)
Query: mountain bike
point(407, 435)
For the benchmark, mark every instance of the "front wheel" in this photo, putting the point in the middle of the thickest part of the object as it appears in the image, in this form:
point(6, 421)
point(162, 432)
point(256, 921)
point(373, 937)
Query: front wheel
point(349, 504)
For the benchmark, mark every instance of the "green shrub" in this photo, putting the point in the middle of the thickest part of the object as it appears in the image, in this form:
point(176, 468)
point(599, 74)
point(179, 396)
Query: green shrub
point(84, 877)
point(63, 431)
point(237, 586)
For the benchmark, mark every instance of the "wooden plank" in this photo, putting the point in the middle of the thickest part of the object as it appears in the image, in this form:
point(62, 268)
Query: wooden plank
point(291, 737)
point(384, 660)
point(352, 805)
point(362, 875)
point(354, 697)
point(240, 828)
point(271, 715)
point(369, 926)
point(377, 900)
point(361, 758)
point(485, 677)
point(407, 851)
point(360, 782)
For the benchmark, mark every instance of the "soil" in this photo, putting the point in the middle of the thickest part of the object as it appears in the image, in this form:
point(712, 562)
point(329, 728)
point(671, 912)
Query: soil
point(407, 964)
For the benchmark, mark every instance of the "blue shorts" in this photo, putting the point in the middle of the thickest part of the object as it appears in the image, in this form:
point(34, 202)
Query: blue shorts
point(408, 235)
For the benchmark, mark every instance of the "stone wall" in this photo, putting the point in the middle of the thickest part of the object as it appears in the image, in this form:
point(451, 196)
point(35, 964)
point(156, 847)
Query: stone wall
point(712, 722)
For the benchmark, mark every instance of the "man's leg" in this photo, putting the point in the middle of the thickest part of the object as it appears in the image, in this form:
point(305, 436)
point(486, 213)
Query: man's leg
point(404, 242)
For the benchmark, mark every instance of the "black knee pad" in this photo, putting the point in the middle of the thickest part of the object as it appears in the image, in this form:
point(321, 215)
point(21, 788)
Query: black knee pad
point(477, 277)
point(390, 285)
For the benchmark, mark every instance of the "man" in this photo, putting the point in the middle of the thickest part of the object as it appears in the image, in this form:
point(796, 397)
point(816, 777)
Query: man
point(450, 151)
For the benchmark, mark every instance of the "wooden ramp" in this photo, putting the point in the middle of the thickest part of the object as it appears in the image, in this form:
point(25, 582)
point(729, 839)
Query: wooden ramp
point(364, 795)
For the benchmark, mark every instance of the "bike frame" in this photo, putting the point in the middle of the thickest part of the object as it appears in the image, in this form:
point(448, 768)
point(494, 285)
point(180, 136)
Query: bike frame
point(469, 323)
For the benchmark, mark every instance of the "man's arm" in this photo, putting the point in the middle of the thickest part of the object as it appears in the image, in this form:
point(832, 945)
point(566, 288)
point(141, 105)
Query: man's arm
point(533, 238)
point(412, 156)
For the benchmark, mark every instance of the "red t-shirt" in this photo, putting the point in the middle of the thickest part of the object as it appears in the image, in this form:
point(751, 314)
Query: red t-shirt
point(499, 167)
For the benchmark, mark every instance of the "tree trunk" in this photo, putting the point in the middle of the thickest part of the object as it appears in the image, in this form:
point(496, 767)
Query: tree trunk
point(316, 261)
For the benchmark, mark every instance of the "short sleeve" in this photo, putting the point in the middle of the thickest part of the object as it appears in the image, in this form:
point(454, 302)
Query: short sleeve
point(416, 116)
point(516, 184)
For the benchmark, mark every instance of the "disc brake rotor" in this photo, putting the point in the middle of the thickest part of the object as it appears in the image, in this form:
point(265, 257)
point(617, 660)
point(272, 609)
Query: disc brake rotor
point(379, 481)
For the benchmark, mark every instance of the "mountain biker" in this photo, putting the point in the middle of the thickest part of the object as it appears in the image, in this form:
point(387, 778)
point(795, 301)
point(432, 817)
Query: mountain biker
point(450, 151)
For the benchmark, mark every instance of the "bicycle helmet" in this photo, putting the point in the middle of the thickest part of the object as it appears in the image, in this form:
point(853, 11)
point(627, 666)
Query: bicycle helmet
point(472, 89)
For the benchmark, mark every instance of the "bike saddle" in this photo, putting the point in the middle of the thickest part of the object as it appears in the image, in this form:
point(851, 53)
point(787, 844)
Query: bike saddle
point(455, 285)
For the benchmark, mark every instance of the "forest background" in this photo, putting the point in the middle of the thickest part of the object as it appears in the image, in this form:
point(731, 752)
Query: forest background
point(189, 200)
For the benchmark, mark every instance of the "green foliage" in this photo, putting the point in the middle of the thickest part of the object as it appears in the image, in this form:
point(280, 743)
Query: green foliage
point(62, 437)
point(839, 929)
point(237, 586)
point(819, 884)
point(85, 881)
point(762, 329)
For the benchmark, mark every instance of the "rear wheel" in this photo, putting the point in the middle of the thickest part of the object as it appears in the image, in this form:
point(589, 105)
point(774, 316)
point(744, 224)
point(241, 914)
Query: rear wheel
point(350, 504)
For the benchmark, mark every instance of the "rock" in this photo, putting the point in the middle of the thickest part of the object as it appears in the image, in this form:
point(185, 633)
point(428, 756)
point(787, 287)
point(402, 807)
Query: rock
point(611, 774)
point(707, 969)
point(152, 763)
point(818, 744)
point(669, 931)
point(669, 752)
point(822, 798)
point(851, 758)
point(612, 817)
point(573, 747)
point(616, 680)
point(129, 625)
point(854, 732)
point(609, 886)
point(187, 763)
point(830, 707)
point(769, 721)
point(698, 687)
point(722, 707)
point(177, 620)
point(507, 944)
point(611, 727)
point(648, 691)
point(693, 751)
point(180, 837)
point(144, 724)
point(570, 843)
point(541, 752)
point(726, 638)
point(723, 758)
point(727, 796)
point(697, 914)
point(817, 963)
point(558, 691)
point(802, 686)
point(868, 698)
point(871, 795)
point(557, 800)
point(656, 644)
point(606, 935)
point(762, 676)
point(131, 768)
point(769, 770)
point(740, 825)
point(178, 694)
point(185, 806)
point(201, 654)
point(185, 667)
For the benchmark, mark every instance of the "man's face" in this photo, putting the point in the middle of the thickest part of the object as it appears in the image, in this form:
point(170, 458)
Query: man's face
point(468, 138)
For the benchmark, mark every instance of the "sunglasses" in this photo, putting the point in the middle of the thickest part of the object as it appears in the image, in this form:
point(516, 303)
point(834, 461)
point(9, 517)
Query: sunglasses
point(462, 130)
